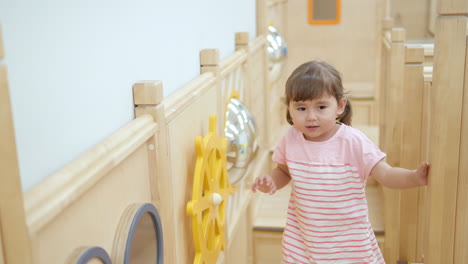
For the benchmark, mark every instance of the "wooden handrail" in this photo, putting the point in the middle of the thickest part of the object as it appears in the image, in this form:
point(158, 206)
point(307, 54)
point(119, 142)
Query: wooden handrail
point(45, 201)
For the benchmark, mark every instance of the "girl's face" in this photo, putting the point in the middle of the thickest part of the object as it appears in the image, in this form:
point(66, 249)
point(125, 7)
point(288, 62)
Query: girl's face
point(316, 118)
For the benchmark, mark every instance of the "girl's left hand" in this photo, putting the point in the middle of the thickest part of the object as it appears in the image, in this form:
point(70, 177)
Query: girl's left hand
point(421, 173)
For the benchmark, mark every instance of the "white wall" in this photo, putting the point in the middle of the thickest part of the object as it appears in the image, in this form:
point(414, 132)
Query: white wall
point(72, 64)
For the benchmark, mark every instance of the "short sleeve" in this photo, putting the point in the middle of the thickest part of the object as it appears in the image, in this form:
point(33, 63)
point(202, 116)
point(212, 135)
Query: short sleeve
point(370, 156)
point(279, 156)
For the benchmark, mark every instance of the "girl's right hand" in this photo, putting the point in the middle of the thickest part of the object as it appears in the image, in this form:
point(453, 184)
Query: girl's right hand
point(264, 184)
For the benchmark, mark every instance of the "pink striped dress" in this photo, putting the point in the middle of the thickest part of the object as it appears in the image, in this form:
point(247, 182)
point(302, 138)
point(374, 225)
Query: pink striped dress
point(327, 217)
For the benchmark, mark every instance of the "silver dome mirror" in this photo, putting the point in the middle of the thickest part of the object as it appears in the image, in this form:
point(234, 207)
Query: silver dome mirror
point(241, 137)
point(277, 52)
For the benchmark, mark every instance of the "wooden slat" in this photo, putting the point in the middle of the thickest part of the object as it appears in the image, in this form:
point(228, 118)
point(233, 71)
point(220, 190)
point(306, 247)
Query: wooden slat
point(2, 260)
point(410, 150)
point(393, 140)
point(446, 111)
point(461, 235)
point(424, 155)
point(13, 229)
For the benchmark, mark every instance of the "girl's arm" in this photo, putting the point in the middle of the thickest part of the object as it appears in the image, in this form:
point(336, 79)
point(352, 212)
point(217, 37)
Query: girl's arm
point(278, 178)
point(399, 178)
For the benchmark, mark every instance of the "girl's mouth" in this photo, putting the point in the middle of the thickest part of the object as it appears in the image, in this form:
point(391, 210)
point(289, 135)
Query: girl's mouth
point(312, 127)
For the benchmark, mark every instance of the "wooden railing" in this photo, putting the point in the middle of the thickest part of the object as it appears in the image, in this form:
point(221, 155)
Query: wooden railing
point(151, 160)
point(404, 126)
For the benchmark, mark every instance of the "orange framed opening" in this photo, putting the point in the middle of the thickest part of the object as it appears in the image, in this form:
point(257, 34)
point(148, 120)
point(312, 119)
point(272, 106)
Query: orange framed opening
point(324, 12)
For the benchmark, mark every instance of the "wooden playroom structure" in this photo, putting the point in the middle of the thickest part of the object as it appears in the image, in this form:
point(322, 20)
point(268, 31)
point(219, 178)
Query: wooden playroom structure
point(106, 204)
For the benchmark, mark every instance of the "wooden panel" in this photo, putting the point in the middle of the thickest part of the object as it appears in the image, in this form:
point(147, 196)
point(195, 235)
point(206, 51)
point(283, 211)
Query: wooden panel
point(446, 111)
point(341, 45)
point(92, 220)
point(363, 112)
point(182, 158)
point(461, 235)
point(413, 16)
point(237, 249)
point(16, 244)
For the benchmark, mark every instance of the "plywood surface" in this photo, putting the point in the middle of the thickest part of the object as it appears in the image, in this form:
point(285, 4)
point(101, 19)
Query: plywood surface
point(93, 219)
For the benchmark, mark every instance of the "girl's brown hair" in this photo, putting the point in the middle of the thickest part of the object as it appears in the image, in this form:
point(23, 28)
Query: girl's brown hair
point(311, 80)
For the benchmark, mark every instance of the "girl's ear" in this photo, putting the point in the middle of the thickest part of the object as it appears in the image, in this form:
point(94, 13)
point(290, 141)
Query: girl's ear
point(341, 106)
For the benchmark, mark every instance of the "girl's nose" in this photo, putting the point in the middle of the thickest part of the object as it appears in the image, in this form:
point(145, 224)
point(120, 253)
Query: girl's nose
point(311, 116)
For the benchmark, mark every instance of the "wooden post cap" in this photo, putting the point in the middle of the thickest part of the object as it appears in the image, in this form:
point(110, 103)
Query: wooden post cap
point(242, 38)
point(398, 34)
point(209, 57)
point(387, 23)
point(414, 54)
point(147, 93)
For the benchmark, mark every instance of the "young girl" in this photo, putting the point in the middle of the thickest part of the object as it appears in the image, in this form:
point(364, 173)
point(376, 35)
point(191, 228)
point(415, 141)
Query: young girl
point(328, 163)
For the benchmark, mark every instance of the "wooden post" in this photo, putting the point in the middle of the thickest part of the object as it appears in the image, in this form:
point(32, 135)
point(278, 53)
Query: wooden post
point(147, 97)
point(262, 18)
point(209, 62)
point(383, 79)
point(243, 43)
point(447, 223)
point(410, 150)
point(13, 230)
point(392, 141)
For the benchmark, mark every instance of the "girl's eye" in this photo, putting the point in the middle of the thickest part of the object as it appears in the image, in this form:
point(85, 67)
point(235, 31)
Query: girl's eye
point(322, 107)
point(301, 109)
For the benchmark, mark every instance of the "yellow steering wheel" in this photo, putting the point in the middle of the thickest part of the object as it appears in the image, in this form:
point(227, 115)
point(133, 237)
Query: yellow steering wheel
point(211, 189)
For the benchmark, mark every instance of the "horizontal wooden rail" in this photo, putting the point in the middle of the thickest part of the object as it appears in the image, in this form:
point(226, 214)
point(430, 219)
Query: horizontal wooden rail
point(185, 96)
point(232, 62)
point(48, 199)
point(257, 44)
point(271, 3)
